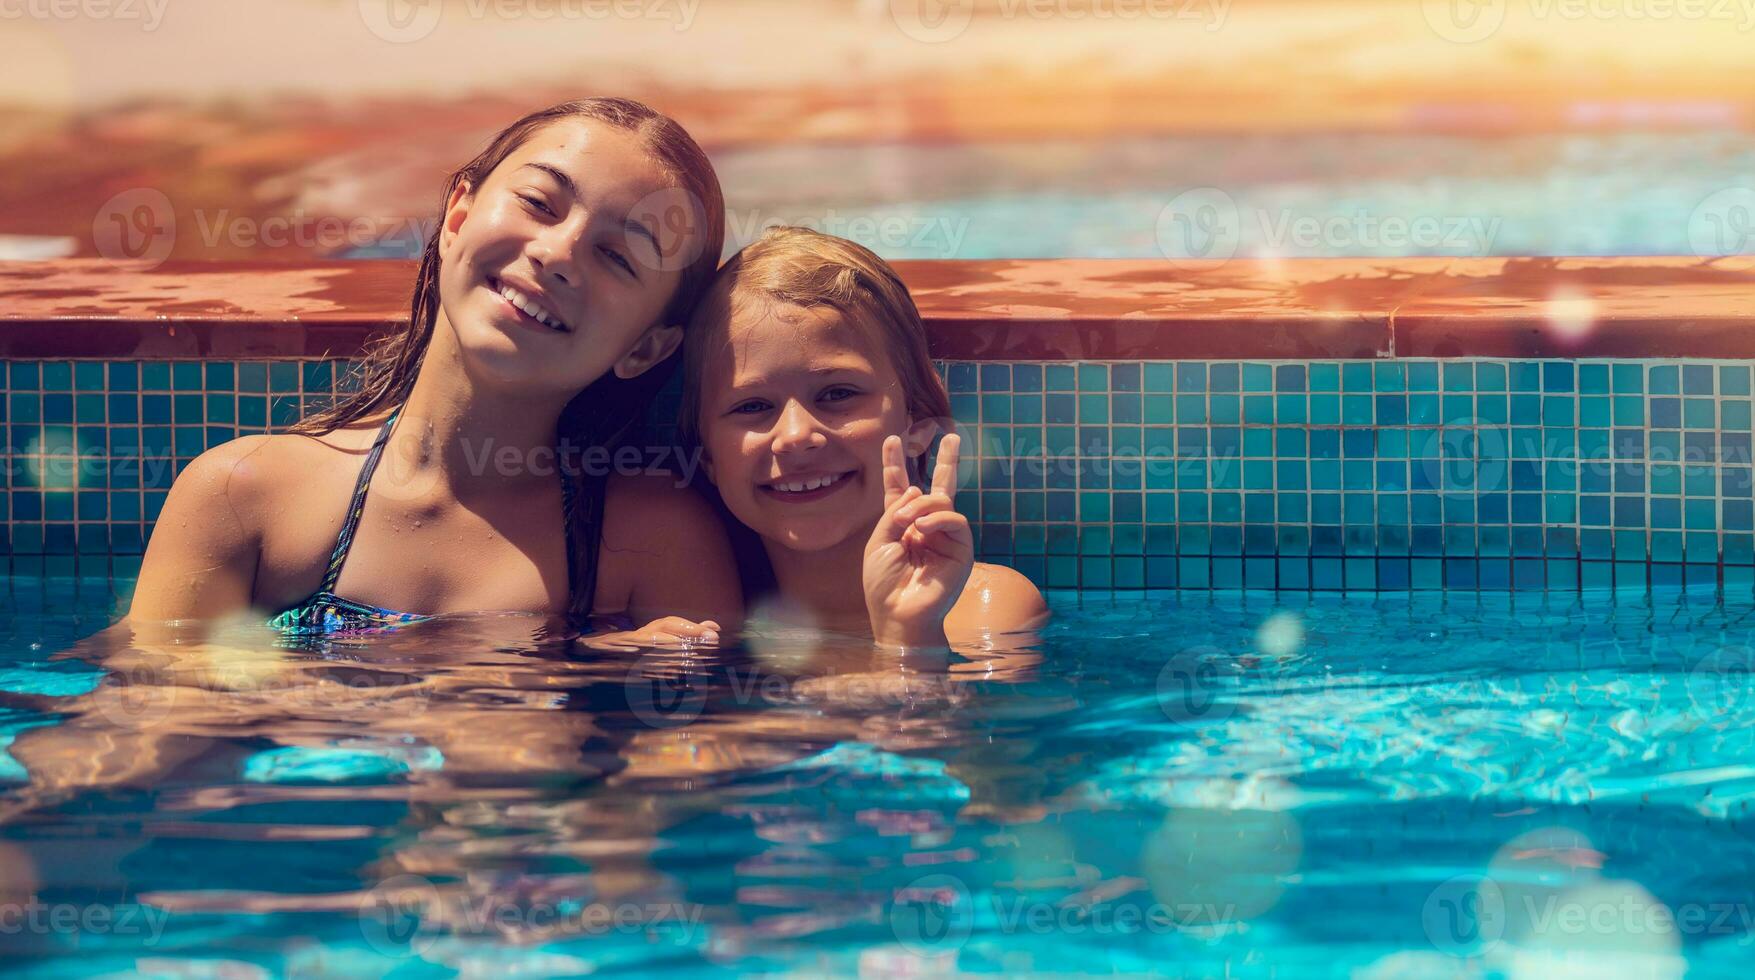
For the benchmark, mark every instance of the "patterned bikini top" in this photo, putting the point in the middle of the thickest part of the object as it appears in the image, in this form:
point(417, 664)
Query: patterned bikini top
point(325, 613)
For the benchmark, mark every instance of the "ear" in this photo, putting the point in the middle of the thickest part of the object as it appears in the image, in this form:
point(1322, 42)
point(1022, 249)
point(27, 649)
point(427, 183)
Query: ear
point(456, 210)
point(915, 442)
point(919, 437)
point(653, 347)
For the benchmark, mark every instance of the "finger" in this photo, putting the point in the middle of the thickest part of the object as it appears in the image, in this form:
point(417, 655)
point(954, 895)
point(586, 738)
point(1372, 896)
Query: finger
point(948, 526)
point(944, 475)
point(892, 524)
point(678, 628)
point(895, 470)
point(926, 503)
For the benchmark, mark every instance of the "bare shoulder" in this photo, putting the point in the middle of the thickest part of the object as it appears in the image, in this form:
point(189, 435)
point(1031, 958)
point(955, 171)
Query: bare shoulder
point(244, 471)
point(998, 599)
point(665, 553)
point(642, 511)
point(201, 558)
point(258, 469)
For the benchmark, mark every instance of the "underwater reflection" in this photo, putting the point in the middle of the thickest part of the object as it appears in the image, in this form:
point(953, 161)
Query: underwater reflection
point(527, 767)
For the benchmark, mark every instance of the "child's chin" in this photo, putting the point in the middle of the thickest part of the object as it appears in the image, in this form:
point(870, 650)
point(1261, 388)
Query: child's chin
point(804, 537)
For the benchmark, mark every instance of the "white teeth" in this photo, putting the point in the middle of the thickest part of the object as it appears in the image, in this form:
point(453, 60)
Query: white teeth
point(813, 483)
point(529, 306)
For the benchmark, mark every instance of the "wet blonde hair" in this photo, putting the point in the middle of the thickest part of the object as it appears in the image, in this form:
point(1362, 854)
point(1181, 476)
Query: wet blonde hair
point(801, 267)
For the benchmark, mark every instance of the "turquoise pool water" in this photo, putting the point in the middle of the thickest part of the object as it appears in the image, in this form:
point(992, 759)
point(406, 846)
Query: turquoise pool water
point(1187, 784)
point(1293, 195)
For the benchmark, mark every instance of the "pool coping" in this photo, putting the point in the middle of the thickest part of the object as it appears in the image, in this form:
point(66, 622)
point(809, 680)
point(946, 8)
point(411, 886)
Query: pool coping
point(982, 310)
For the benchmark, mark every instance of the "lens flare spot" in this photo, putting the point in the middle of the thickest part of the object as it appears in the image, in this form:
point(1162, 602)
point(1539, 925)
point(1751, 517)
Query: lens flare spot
point(1570, 315)
point(1603, 930)
point(52, 459)
point(1280, 635)
point(1219, 868)
point(783, 636)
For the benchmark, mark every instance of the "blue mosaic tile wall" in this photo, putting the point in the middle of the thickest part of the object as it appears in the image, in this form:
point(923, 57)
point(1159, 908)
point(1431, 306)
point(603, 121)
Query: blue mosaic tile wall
point(1356, 475)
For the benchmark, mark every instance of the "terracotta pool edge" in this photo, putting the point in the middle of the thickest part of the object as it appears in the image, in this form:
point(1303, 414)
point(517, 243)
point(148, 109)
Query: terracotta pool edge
point(987, 310)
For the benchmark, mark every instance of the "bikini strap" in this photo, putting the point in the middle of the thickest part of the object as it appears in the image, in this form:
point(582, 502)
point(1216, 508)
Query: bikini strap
point(582, 507)
point(567, 493)
point(357, 506)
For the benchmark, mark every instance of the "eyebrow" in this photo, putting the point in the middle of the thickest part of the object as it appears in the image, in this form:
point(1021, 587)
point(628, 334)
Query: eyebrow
point(758, 380)
point(569, 186)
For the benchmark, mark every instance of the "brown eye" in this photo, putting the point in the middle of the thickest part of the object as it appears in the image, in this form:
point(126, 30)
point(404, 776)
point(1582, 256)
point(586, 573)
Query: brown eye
point(621, 260)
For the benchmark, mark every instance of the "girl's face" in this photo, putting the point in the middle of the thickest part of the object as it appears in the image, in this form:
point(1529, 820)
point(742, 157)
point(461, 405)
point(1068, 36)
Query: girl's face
point(795, 406)
point(557, 267)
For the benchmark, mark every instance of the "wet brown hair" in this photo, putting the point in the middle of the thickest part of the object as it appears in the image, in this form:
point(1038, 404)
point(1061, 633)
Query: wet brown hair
point(606, 411)
point(801, 267)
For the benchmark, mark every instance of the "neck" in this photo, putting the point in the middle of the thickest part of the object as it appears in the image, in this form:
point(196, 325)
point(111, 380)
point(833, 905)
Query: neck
point(468, 435)
point(827, 587)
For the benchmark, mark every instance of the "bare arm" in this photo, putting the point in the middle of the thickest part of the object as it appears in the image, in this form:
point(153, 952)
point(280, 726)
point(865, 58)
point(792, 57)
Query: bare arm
point(201, 560)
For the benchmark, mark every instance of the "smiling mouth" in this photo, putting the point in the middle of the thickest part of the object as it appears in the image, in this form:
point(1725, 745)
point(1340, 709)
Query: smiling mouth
point(806, 489)
point(527, 308)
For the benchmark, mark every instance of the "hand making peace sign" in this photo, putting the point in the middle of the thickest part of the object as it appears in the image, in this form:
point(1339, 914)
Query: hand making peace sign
point(920, 554)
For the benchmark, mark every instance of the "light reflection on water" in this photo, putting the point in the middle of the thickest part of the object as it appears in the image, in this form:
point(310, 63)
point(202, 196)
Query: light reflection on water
point(1304, 195)
point(1188, 784)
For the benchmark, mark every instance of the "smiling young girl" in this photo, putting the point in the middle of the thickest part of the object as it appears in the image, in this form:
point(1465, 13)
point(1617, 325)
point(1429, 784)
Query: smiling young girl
point(460, 474)
point(809, 389)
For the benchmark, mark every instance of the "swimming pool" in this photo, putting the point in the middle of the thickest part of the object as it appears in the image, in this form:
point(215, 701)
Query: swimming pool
point(1305, 195)
point(1192, 784)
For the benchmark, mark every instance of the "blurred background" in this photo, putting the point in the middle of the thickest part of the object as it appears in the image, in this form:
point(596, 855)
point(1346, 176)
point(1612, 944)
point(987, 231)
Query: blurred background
point(956, 129)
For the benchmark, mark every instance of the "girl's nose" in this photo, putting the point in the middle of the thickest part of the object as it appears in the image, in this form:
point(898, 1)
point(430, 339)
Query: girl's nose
point(797, 430)
point(555, 254)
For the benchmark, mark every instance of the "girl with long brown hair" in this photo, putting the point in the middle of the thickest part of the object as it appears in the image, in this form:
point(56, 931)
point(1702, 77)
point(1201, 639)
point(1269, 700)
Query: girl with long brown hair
point(467, 470)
